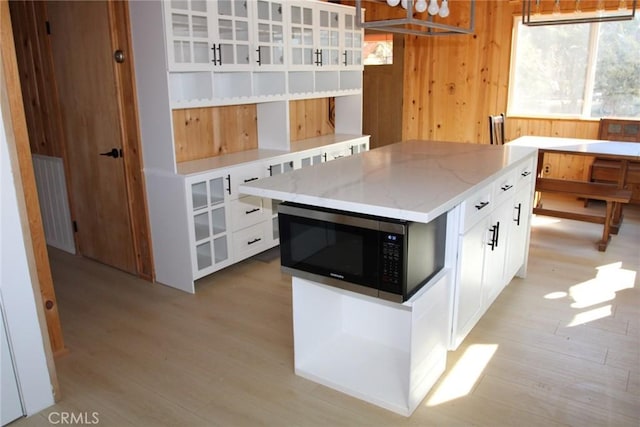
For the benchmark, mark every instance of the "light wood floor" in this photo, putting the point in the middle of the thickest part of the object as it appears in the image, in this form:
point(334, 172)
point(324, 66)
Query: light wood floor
point(560, 347)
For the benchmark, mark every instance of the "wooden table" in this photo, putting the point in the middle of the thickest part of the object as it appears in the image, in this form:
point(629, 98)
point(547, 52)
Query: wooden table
point(624, 152)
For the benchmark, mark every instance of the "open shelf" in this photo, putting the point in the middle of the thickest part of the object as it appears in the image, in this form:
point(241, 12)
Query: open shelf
point(232, 85)
point(352, 364)
point(186, 87)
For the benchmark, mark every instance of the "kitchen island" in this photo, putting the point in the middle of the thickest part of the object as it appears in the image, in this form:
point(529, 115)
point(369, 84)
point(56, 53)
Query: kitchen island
point(391, 354)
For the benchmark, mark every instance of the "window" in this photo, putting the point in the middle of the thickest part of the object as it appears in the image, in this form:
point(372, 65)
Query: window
point(378, 49)
point(576, 70)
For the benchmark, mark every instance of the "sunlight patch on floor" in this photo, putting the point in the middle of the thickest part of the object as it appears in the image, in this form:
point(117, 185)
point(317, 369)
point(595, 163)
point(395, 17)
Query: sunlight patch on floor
point(541, 220)
point(591, 315)
point(556, 295)
point(610, 279)
point(460, 380)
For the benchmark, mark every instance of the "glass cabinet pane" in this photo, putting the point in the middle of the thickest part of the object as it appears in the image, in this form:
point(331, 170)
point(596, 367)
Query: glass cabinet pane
point(218, 221)
point(180, 25)
point(199, 195)
point(201, 225)
point(203, 254)
point(263, 10)
point(276, 12)
point(216, 188)
point(220, 250)
point(199, 5)
point(200, 28)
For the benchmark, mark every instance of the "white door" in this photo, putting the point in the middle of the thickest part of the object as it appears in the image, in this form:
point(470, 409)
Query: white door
point(11, 406)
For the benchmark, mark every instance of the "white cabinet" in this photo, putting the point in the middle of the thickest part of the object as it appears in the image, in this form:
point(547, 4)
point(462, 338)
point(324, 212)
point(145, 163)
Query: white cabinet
point(226, 226)
point(222, 52)
point(208, 207)
point(520, 221)
point(188, 34)
point(493, 240)
point(388, 354)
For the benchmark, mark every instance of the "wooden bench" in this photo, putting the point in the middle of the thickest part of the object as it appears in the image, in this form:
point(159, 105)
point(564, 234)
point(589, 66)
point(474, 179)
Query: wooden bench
point(608, 193)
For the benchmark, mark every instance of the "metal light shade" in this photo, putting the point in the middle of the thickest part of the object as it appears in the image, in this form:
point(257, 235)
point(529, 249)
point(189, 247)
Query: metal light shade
point(538, 19)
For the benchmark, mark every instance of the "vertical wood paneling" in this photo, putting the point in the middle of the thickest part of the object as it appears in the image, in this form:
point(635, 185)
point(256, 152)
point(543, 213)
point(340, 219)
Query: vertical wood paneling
point(16, 124)
point(453, 83)
point(309, 118)
point(208, 132)
point(37, 78)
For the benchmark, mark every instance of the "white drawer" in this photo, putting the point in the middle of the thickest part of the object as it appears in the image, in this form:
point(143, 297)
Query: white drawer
point(526, 172)
point(244, 174)
point(476, 207)
point(246, 211)
point(504, 187)
point(250, 241)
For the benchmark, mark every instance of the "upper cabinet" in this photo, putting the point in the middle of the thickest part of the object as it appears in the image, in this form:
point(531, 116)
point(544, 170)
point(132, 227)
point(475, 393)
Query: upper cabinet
point(227, 52)
point(324, 36)
point(225, 35)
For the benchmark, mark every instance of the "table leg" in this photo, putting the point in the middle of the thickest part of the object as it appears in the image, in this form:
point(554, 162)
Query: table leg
point(606, 232)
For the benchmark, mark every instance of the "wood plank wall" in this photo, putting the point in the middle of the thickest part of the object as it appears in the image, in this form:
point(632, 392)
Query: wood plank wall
point(41, 116)
point(309, 118)
point(212, 131)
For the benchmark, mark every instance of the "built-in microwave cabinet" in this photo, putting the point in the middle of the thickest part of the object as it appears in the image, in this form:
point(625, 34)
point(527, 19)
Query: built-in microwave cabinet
point(236, 35)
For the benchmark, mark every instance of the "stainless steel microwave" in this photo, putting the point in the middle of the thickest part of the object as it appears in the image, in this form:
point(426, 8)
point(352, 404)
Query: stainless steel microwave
point(376, 256)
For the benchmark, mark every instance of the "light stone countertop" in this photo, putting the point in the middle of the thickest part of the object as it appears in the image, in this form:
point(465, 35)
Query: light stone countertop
point(592, 147)
point(413, 180)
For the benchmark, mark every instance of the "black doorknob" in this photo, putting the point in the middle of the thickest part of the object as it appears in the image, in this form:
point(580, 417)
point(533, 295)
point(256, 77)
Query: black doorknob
point(114, 152)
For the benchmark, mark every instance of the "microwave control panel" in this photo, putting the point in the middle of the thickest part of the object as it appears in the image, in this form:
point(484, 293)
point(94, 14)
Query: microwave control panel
point(392, 259)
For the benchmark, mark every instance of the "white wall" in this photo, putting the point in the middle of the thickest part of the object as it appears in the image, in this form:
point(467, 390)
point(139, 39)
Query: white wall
point(16, 291)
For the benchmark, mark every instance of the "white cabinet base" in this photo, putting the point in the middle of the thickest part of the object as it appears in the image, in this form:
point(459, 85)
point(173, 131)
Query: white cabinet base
point(385, 353)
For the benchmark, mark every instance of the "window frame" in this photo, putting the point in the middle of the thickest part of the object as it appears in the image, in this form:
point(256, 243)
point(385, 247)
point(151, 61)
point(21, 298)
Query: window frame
point(585, 114)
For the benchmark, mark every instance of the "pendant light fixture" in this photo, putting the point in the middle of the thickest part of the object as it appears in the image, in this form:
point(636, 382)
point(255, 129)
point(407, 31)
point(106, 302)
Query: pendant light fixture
point(423, 18)
point(532, 16)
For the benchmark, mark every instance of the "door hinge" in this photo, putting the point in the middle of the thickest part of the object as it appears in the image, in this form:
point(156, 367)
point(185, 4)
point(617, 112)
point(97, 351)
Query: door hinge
point(48, 26)
point(75, 227)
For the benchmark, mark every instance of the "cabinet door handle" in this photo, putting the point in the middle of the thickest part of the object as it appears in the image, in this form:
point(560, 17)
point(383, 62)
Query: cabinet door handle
point(506, 187)
point(217, 54)
point(518, 209)
point(256, 240)
point(352, 148)
point(259, 55)
point(492, 241)
point(526, 173)
point(251, 211)
point(324, 156)
point(228, 178)
point(495, 233)
point(345, 58)
point(318, 61)
point(482, 205)
point(251, 179)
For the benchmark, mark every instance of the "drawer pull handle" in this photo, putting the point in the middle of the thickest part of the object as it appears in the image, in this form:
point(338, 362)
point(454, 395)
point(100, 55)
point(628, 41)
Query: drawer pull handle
point(526, 173)
point(506, 187)
point(256, 240)
point(250, 179)
point(519, 210)
point(251, 211)
point(481, 205)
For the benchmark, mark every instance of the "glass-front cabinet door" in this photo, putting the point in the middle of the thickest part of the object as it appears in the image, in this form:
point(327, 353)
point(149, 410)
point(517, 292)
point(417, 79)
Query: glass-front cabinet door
point(209, 223)
point(302, 39)
point(231, 43)
point(329, 36)
point(352, 42)
point(188, 34)
point(270, 29)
